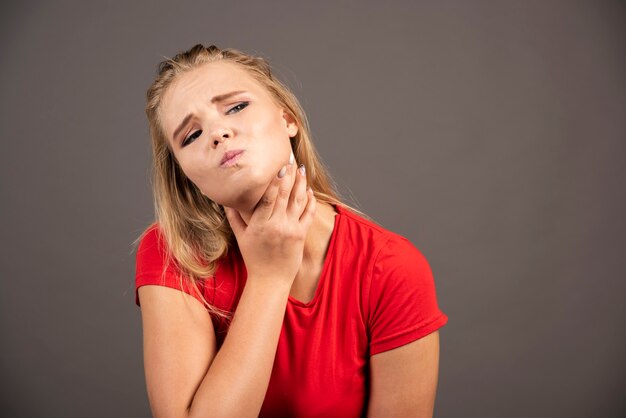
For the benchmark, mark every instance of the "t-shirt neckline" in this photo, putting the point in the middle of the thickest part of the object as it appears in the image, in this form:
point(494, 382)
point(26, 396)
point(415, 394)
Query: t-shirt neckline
point(327, 260)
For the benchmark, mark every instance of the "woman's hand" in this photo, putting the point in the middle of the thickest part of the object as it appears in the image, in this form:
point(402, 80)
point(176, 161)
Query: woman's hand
point(273, 241)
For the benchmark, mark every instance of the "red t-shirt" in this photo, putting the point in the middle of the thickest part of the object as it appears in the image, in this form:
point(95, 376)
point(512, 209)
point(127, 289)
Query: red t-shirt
point(376, 292)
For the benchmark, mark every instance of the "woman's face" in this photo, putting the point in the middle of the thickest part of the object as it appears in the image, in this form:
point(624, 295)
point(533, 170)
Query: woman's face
point(219, 108)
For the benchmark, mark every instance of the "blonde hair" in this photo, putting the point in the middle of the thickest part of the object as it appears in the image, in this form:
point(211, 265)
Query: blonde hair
point(195, 228)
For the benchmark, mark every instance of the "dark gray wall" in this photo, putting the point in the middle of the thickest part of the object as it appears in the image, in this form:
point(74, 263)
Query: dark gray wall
point(490, 133)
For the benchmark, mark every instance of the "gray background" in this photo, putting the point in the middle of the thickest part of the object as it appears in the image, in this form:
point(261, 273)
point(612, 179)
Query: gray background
point(491, 134)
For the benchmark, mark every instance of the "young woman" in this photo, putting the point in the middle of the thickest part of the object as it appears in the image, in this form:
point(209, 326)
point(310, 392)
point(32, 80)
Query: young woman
point(261, 293)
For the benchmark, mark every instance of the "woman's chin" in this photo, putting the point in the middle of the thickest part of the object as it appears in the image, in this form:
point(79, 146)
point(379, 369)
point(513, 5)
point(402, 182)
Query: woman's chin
point(245, 189)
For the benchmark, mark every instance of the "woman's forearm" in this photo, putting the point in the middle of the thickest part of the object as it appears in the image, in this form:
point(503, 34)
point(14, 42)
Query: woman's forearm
point(238, 377)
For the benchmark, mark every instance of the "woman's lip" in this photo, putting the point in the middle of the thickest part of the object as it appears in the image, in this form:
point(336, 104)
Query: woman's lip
point(231, 157)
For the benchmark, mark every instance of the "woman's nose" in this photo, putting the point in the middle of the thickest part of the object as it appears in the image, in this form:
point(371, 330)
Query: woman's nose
point(220, 135)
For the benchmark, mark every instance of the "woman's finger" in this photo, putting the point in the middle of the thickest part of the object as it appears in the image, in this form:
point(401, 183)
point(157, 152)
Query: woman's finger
point(265, 207)
point(284, 189)
point(309, 210)
point(298, 198)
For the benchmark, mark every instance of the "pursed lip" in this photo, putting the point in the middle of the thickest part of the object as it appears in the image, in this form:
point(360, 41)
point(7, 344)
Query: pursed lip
point(230, 154)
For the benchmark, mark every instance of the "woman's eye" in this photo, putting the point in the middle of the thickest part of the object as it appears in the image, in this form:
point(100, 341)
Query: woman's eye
point(239, 107)
point(191, 137)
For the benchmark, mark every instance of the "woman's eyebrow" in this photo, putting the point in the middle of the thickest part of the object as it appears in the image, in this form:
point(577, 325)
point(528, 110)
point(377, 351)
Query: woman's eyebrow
point(225, 96)
point(215, 99)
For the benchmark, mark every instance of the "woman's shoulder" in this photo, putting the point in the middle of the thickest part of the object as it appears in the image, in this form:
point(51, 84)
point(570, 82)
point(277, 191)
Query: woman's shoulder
point(151, 253)
point(366, 228)
point(152, 248)
point(377, 241)
point(153, 244)
point(151, 235)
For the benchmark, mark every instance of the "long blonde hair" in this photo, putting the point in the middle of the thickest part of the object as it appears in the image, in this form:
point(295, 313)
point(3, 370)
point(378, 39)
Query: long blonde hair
point(195, 228)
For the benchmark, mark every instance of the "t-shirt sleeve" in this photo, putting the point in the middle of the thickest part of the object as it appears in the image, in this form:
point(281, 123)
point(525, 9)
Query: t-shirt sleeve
point(149, 266)
point(402, 303)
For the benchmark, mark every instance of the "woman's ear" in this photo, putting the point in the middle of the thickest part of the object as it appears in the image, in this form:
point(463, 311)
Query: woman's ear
point(290, 124)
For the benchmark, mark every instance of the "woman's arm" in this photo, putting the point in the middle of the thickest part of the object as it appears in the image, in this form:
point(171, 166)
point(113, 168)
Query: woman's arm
point(404, 379)
point(184, 374)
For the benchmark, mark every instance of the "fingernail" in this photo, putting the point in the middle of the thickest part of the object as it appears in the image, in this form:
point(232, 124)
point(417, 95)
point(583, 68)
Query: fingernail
point(291, 158)
point(282, 172)
point(302, 169)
